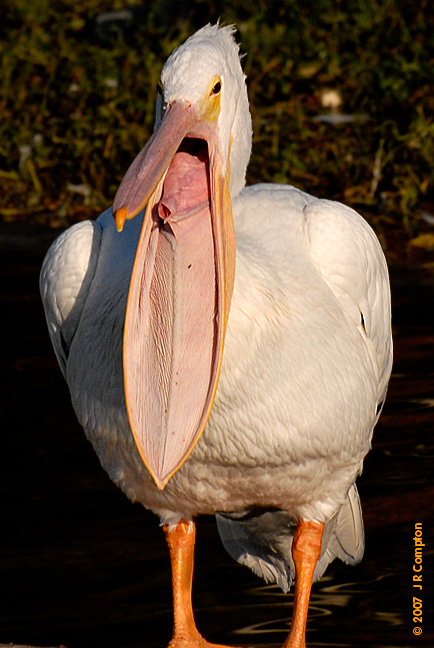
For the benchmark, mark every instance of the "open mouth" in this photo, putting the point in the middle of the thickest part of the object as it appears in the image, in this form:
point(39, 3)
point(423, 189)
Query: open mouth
point(194, 146)
point(186, 187)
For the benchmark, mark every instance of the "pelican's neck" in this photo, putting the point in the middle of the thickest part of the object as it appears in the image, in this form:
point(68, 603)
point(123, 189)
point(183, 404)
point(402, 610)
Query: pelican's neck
point(241, 144)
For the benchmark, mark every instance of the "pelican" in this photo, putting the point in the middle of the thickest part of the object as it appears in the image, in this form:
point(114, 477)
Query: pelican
point(194, 281)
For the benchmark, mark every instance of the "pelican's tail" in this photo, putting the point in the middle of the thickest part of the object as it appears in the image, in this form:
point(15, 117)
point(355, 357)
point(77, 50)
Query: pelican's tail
point(262, 540)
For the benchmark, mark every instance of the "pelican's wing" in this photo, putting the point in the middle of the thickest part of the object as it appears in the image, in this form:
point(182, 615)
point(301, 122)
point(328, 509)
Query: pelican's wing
point(344, 536)
point(66, 275)
point(348, 255)
point(263, 540)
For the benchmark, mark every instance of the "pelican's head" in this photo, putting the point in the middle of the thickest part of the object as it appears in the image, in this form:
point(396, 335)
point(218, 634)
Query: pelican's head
point(205, 71)
point(202, 95)
point(183, 274)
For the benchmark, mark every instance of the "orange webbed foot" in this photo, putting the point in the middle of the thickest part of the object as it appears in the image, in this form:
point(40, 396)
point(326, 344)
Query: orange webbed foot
point(306, 550)
point(193, 642)
point(181, 539)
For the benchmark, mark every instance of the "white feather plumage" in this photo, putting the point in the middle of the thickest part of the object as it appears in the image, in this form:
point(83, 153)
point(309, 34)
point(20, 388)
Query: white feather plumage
point(307, 358)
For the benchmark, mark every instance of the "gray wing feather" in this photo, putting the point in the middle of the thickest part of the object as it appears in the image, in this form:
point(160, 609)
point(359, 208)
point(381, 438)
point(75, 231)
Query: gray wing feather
point(262, 540)
point(344, 536)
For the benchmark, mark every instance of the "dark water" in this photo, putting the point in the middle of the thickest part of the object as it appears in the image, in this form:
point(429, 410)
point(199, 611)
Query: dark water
point(83, 567)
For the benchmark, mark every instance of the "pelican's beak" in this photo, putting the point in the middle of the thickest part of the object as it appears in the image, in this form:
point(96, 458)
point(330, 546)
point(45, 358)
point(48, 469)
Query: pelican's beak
point(181, 286)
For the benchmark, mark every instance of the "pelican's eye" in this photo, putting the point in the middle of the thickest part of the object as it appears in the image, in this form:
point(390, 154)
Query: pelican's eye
point(216, 88)
point(209, 107)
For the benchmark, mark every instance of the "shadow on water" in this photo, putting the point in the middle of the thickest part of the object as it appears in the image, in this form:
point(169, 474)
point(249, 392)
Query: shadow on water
point(81, 566)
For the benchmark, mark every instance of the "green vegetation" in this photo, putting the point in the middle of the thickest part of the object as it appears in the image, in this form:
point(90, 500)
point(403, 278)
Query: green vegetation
point(76, 101)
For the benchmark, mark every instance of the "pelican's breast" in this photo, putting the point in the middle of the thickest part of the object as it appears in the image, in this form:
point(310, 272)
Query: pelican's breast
point(297, 393)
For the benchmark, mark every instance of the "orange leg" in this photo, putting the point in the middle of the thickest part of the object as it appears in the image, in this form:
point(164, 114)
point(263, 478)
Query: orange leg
point(306, 549)
point(180, 538)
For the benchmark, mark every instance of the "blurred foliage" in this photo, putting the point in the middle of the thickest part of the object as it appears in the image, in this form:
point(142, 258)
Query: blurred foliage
point(77, 100)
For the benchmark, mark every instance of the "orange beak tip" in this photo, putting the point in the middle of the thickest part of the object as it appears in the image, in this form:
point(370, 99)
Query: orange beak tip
point(120, 217)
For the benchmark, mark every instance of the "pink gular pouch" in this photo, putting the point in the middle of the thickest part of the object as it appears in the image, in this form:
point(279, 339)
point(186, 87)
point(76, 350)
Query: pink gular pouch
point(180, 287)
point(182, 301)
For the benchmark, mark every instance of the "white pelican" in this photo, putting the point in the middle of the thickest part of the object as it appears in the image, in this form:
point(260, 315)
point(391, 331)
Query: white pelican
point(307, 345)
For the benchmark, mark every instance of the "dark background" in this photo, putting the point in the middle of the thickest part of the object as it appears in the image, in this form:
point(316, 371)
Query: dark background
point(80, 565)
